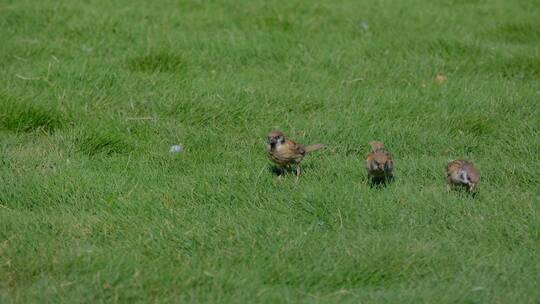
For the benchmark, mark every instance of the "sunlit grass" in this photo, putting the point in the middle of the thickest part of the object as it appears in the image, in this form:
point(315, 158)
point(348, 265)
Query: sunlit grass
point(94, 208)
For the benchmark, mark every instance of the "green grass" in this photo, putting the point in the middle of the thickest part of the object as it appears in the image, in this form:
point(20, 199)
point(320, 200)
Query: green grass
point(93, 208)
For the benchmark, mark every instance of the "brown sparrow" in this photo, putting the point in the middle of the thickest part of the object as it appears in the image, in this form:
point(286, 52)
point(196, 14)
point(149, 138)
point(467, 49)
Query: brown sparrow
point(462, 173)
point(285, 152)
point(379, 163)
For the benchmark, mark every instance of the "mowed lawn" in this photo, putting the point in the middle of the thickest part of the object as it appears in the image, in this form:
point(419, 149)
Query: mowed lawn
point(94, 208)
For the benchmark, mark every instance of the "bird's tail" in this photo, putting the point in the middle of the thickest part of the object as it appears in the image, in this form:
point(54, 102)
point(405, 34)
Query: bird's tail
point(315, 147)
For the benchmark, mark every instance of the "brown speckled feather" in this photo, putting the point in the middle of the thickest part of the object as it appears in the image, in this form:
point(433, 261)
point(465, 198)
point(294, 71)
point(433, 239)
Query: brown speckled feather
point(287, 153)
point(462, 173)
point(379, 163)
point(382, 157)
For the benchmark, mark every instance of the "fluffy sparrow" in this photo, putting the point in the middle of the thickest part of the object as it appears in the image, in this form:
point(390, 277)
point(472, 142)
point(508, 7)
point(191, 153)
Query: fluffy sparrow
point(284, 152)
point(462, 173)
point(379, 163)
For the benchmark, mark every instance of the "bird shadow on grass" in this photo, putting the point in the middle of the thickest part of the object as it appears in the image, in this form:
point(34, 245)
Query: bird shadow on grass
point(379, 182)
point(276, 170)
point(282, 171)
point(462, 191)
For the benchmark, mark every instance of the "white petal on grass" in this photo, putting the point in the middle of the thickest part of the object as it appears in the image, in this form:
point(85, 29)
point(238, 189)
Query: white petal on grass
point(176, 149)
point(364, 25)
point(87, 49)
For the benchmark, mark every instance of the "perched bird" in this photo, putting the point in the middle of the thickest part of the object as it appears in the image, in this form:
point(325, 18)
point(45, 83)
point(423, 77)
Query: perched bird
point(462, 173)
point(285, 152)
point(379, 163)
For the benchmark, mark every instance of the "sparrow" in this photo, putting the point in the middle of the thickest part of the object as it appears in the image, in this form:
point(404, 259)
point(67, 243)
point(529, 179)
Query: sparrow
point(379, 163)
point(462, 173)
point(284, 152)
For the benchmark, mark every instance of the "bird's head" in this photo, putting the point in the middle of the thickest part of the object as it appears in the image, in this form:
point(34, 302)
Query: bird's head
point(379, 162)
point(274, 138)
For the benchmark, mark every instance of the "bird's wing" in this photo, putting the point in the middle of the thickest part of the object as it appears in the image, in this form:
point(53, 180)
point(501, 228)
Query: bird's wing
point(368, 159)
point(473, 174)
point(389, 161)
point(295, 148)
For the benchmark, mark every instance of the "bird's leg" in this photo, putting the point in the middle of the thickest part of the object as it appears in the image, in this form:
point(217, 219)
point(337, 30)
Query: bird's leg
point(298, 171)
point(280, 174)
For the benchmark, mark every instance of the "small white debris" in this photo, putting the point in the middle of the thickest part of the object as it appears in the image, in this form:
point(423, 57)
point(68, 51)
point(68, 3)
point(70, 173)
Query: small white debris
point(87, 49)
point(364, 25)
point(176, 149)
